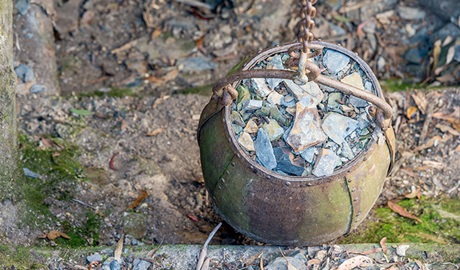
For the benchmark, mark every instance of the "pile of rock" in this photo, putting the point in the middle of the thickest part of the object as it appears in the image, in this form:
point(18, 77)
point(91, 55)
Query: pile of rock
point(303, 130)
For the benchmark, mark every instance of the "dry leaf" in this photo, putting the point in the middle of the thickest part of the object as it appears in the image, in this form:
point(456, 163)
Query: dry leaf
point(119, 249)
point(415, 193)
point(199, 43)
point(144, 194)
point(155, 132)
point(383, 244)
point(47, 143)
point(313, 262)
point(55, 234)
point(169, 76)
point(401, 211)
point(411, 111)
point(436, 54)
point(450, 55)
point(446, 128)
point(355, 262)
point(156, 33)
point(435, 140)
point(420, 100)
point(192, 217)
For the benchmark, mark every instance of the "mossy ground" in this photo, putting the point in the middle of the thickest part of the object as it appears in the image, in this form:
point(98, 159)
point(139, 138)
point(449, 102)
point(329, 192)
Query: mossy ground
point(440, 223)
point(60, 174)
point(20, 257)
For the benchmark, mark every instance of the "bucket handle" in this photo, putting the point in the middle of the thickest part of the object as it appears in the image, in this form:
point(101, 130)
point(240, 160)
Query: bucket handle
point(224, 90)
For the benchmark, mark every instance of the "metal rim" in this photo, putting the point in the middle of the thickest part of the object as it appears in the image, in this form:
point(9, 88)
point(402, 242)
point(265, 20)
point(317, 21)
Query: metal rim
point(299, 181)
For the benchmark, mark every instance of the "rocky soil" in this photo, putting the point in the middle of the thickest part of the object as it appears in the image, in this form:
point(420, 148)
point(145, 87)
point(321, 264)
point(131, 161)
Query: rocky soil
point(116, 154)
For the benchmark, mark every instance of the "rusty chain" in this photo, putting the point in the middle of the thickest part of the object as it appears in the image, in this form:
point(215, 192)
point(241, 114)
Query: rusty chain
point(305, 36)
point(307, 71)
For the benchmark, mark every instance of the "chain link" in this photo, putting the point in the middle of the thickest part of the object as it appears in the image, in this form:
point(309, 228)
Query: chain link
point(306, 23)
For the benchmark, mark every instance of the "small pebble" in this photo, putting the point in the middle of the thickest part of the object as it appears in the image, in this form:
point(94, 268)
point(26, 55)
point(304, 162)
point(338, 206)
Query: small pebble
point(95, 257)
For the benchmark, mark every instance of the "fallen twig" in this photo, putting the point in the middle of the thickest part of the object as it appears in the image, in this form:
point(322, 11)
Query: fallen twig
point(426, 124)
point(204, 250)
point(195, 3)
point(83, 203)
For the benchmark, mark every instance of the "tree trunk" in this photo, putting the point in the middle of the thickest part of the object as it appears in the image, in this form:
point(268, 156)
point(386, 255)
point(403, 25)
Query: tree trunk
point(8, 134)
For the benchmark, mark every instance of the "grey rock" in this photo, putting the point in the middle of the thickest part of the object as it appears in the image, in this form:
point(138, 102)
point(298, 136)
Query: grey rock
point(306, 130)
point(310, 88)
point(237, 128)
point(246, 142)
point(252, 104)
point(264, 150)
point(308, 154)
point(274, 130)
point(332, 100)
point(22, 6)
point(281, 263)
point(446, 9)
point(338, 127)
point(24, 73)
point(30, 173)
point(275, 98)
point(457, 53)
point(363, 122)
point(410, 13)
point(307, 102)
point(368, 11)
point(237, 119)
point(274, 63)
point(141, 265)
point(413, 55)
point(449, 29)
point(358, 102)
point(284, 163)
point(260, 88)
point(288, 101)
point(134, 224)
point(37, 88)
point(115, 265)
point(243, 95)
point(335, 61)
point(326, 163)
point(346, 151)
point(95, 257)
point(196, 64)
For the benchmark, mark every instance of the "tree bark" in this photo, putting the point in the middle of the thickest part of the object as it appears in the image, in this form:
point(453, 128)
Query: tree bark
point(8, 133)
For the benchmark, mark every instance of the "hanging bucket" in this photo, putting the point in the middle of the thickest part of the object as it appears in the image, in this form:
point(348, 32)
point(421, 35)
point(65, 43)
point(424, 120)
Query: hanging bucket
point(292, 210)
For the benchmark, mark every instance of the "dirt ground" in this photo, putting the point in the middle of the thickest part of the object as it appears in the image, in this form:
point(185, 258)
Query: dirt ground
point(123, 106)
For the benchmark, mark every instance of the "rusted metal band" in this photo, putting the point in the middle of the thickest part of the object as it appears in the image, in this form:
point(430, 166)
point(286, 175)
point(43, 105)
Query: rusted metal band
point(351, 90)
point(313, 75)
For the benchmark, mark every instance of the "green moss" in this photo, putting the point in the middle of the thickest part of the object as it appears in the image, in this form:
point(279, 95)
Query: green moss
point(114, 92)
point(240, 65)
point(86, 234)
point(19, 257)
point(435, 228)
point(204, 90)
point(396, 85)
point(60, 173)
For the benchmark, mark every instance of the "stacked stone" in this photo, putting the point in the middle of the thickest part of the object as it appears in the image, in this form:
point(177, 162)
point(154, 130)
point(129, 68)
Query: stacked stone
point(303, 130)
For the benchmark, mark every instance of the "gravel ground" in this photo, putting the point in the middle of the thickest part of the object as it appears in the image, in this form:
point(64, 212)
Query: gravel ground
point(141, 174)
